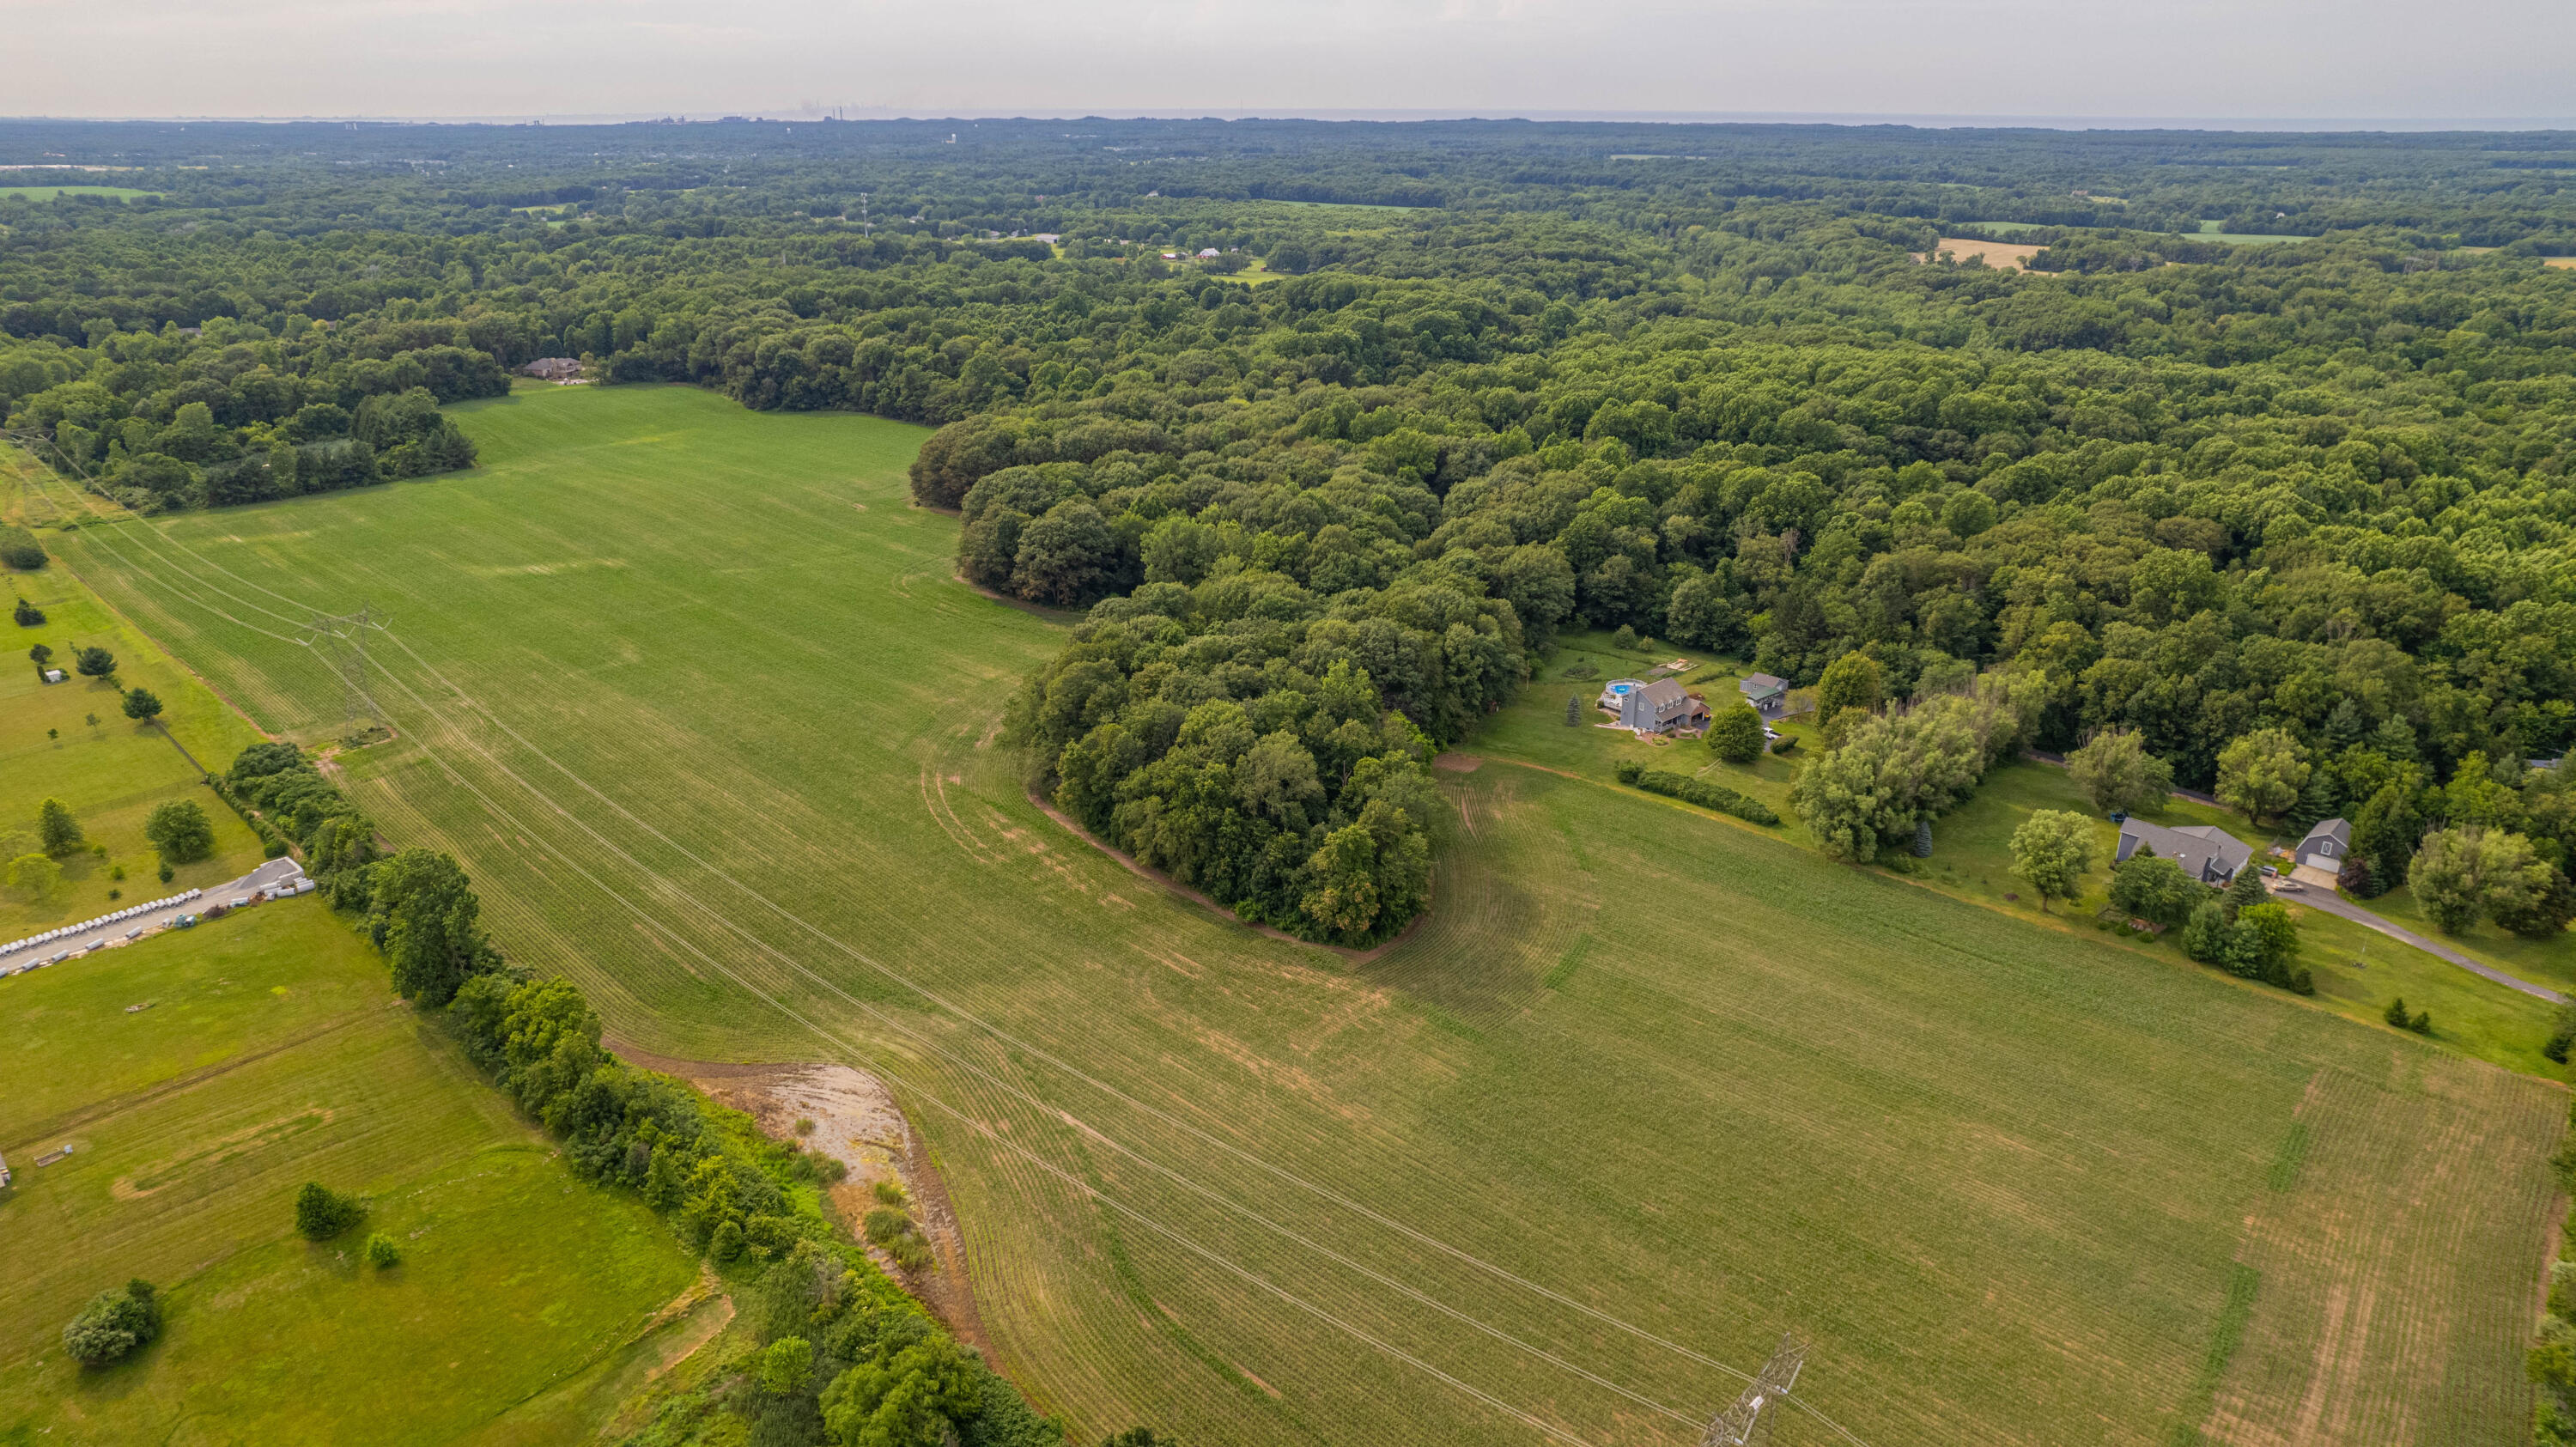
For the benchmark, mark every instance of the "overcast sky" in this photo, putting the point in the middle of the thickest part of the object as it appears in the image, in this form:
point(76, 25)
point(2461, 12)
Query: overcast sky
point(2128, 59)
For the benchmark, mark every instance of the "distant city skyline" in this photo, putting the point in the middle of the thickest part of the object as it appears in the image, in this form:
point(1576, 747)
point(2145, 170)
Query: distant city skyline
point(2195, 63)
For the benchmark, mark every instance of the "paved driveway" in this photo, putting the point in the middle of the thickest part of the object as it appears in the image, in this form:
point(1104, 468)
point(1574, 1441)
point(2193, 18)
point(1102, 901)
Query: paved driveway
point(274, 872)
point(2333, 903)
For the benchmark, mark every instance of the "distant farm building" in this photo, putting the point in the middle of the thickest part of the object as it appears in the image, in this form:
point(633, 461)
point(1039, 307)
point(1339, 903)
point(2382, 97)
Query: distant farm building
point(2205, 851)
point(554, 369)
point(1661, 708)
point(1764, 692)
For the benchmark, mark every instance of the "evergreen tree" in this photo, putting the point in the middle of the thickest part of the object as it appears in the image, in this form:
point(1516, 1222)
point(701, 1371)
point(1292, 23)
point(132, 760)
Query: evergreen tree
point(1923, 838)
point(2395, 741)
point(2246, 888)
point(2205, 935)
point(2317, 802)
point(56, 830)
point(2343, 726)
point(1573, 712)
point(2395, 1014)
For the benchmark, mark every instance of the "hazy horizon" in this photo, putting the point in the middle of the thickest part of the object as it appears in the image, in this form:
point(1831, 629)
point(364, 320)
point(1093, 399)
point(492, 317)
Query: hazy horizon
point(2198, 64)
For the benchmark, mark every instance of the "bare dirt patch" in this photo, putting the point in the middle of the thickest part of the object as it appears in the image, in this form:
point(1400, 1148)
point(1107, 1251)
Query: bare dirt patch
point(1458, 763)
point(858, 1123)
point(2001, 255)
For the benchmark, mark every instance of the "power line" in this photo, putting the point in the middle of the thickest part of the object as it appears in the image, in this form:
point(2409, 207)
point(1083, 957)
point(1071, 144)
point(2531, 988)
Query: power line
point(1736, 1426)
point(978, 1125)
point(349, 624)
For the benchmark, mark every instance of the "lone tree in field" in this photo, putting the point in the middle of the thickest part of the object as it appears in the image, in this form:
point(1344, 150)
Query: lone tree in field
point(1735, 735)
point(2118, 774)
point(2052, 849)
point(36, 875)
point(383, 1252)
point(1625, 640)
point(181, 831)
point(322, 1213)
point(2262, 773)
point(93, 663)
point(142, 705)
point(27, 614)
point(56, 830)
point(40, 655)
point(113, 1324)
point(1573, 712)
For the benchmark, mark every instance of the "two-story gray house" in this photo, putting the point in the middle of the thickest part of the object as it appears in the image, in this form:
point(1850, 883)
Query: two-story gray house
point(1661, 708)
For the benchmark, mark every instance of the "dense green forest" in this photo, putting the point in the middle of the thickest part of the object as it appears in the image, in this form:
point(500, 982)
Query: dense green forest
point(1445, 390)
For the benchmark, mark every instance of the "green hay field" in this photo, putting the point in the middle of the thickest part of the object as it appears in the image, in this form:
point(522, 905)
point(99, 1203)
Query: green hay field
point(272, 1054)
point(48, 193)
point(1644, 1091)
point(112, 773)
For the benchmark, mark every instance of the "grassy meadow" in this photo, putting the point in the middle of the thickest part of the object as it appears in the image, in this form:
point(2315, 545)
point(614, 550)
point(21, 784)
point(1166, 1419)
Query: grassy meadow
point(112, 772)
point(693, 693)
point(272, 1054)
point(49, 193)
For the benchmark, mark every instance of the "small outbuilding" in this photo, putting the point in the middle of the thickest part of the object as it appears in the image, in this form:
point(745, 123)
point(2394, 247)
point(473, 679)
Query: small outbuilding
point(2326, 846)
point(554, 369)
point(2205, 851)
point(1767, 694)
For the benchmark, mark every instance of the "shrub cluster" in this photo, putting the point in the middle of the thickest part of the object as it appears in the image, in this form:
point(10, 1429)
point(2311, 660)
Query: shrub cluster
point(113, 1325)
point(1697, 791)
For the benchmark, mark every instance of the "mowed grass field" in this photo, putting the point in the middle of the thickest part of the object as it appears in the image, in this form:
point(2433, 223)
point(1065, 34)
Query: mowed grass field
point(694, 695)
point(273, 1054)
point(114, 772)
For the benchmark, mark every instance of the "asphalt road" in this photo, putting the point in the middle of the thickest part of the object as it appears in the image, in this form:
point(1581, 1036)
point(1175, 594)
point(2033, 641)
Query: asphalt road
point(275, 871)
point(2333, 903)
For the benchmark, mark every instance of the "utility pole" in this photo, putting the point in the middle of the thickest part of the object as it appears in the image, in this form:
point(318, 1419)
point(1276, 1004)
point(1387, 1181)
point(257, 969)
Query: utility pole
point(1757, 1406)
point(340, 640)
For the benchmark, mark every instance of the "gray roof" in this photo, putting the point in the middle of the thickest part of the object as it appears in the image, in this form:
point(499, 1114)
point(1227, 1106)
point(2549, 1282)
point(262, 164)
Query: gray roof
point(2334, 829)
point(2205, 851)
point(1660, 701)
point(1761, 683)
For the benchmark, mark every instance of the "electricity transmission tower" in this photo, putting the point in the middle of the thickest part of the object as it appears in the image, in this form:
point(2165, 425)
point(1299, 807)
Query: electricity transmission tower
point(1757, 1406)
point(340, 641)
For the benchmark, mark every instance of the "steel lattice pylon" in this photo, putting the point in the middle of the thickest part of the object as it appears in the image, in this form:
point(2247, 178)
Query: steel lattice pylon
point(340, 640)
point(1757, 1405)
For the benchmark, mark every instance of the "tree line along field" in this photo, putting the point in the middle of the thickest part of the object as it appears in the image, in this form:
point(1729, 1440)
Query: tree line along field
point(273, 1054)
point(693, 695)
point(111, 773)
point(2357, 971)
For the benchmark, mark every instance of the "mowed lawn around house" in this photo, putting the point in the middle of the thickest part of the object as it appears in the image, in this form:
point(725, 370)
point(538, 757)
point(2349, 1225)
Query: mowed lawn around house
point(112, 773)
point(694, 695)
point(271, 1054)
point(2357, 971)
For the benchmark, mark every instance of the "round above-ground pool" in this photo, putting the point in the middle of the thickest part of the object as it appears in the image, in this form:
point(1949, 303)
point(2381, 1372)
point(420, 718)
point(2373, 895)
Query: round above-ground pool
point(1619, 688)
